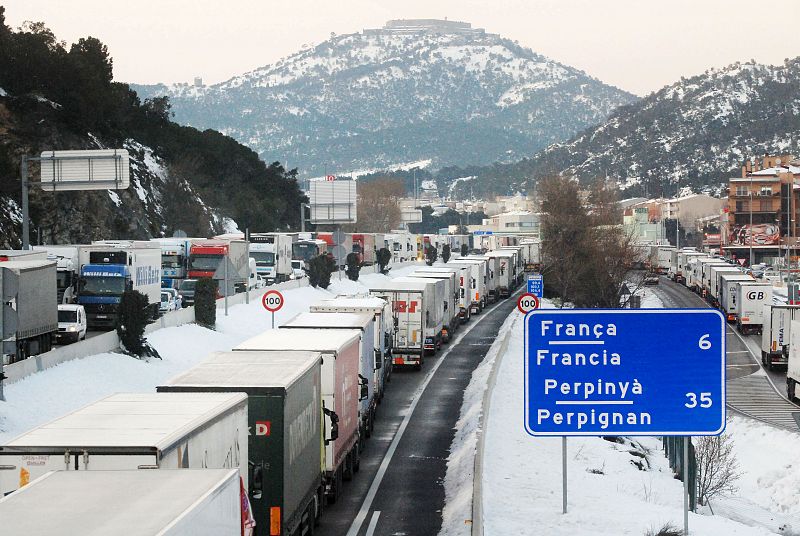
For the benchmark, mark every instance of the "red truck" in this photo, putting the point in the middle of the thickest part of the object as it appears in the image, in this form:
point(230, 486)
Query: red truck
point(364, 247)
point(205, 256)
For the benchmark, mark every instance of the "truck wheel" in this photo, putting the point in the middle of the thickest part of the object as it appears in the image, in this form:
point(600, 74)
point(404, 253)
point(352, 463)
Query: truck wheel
point(763, 357)
point(790, 389)
point(347, 473)
point(769, 362)
point(357, 462)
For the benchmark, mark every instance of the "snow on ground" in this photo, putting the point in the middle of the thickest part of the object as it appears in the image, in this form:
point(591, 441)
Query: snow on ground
point(49, 394)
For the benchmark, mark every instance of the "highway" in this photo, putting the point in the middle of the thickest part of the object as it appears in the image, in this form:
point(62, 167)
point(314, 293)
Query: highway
point(399, 489)
point(751, 390)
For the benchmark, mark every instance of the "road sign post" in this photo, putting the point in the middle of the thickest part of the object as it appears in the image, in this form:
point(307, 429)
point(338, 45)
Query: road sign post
point(272, 300)
point(536, 285)
point(652, 372)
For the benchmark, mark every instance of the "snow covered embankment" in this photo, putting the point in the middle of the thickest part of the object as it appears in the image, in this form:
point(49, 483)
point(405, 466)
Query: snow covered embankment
point(51, 393)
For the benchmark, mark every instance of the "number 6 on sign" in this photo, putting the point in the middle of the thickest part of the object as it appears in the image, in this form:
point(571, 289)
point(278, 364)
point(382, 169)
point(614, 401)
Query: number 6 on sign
point(704, 343)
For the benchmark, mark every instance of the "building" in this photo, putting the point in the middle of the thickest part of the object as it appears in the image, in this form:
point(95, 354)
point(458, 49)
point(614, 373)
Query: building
point(516, 222)
point(690, 208)
point(637, 223)
point(428, 26)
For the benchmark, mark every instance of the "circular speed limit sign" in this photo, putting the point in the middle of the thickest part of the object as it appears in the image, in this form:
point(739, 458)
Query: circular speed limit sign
point(527, 303)
point(272, 300)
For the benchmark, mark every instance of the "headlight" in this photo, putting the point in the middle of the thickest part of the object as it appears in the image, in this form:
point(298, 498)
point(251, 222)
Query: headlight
point(292, 276)
point(72, 328)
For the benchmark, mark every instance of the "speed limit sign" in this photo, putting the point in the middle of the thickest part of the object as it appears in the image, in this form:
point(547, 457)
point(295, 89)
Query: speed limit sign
point(272, 300)
point(527, 303)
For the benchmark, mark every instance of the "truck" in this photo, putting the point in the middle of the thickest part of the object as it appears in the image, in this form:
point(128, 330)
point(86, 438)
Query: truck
point(364, 322)
point(363, 245)
point(504, 272)
point(208, 255)
point(341, 361)
point(134, 431)
point(67, 270)
point(683, 266)
point(711, 280)
point(776, 332)
point(273, 255)
point(727, 293)
point(162, 503)
point(451, 290)
point(29, 315)
point(435, 290)
point(478, 277)
point(174, 260)
point(305, 249)
point(751, 297)
point(284, 416)
point(705, 274)
point(793, 362)
point(414, 320)
point(492, 276)
point(519, 262)
point(695, 272)
point(383, 329)
point(660, 262)
point(109, 269)
point(533, 255)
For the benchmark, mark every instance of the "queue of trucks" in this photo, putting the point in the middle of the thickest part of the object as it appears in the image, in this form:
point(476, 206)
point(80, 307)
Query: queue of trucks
point(277, 424)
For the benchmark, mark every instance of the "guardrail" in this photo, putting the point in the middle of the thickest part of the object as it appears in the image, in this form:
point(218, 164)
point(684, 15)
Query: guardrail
point(108, 342)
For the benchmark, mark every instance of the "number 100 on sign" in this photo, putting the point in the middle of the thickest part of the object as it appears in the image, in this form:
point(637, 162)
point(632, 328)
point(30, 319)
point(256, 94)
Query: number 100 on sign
point(625, 372)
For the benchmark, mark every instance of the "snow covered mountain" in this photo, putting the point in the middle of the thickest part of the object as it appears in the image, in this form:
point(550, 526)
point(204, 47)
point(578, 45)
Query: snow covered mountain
point(420, 90)
point(695, 132)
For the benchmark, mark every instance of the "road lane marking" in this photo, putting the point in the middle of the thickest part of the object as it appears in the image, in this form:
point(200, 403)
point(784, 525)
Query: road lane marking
point(373, 523)
point(355, 527)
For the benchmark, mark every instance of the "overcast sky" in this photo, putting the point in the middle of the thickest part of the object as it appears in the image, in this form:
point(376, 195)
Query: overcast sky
point(637, 45)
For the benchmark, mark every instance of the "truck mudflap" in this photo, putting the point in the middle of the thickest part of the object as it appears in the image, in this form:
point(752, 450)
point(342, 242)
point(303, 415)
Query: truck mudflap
point(446, 334)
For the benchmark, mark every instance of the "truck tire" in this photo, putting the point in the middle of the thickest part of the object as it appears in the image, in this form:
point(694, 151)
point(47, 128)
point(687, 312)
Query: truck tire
point(763, 358)
point(790, 389)
point(347, 472)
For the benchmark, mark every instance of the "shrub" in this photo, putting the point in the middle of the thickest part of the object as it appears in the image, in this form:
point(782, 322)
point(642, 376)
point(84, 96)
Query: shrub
point(446, 253)
point(205, 302)
point(319, 271)
point(134, 315)
point(431, 255)
point(353, 266)
point(383, 257)
point(464, 250)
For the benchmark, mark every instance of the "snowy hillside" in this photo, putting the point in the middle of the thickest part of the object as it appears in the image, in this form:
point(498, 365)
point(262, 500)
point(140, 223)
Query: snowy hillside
point(696, 131)
point(378, 98)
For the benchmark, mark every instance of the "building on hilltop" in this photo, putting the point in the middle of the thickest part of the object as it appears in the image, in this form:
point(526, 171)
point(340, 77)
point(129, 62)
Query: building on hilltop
point(427, 26)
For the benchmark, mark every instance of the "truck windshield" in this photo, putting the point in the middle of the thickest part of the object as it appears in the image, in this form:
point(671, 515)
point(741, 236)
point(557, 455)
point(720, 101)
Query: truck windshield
point(63, 280)
point(171, 261)
point(263, 258)
point(304, 252)
point(208, 263)
point(188, 284)
point(103, 286)
point(67, 316)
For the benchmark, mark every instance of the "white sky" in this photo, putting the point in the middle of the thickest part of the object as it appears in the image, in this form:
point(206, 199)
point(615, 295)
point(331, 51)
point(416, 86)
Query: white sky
point(637, 45)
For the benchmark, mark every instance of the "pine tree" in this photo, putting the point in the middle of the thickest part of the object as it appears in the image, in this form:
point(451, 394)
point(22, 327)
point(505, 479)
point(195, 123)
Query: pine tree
point(205, 302)
point(353, 267)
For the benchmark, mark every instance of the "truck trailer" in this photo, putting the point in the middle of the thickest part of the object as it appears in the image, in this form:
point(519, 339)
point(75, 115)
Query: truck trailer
point(29, 320)
point(727, 293)
point(751, 297)
point(341, 361)
point(134, 431)
point(435, 289)
point(208, 255)
point(284, 411)
point(273, 255)
point(711, 280)
point(776, 332)
point(450, 298)
point(67, 270)
point(108, 269)
point(190, 502)
point(174, 260)
point(506, 282)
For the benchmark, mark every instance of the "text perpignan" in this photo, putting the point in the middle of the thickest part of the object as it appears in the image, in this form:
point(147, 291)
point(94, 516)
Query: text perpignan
point(602, 418)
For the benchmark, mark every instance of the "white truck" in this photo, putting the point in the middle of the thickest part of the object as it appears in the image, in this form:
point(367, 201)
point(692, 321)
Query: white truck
point(492, 276)
point(341, 362)
point(751, 297)
point(67, 270)
point(727, 293)
point(477, 290)
point(134, 431)
point(533, 256)
point(711, 280)
point(365, 323)
point(661, 259)
point(108, 269)
point(793, 362)
point(776, 332)
point(504, 272)
point(434, 288)
point(705, 274)
point(174, 259)
point(684, 266)
point(449, 297)
point(695, 272)
point(135, 503)
point(383, 325)
point(273, 255)
point(414, 316)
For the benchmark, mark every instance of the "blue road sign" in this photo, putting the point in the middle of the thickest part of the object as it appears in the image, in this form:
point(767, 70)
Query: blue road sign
point(624, 372)
point(536, 285)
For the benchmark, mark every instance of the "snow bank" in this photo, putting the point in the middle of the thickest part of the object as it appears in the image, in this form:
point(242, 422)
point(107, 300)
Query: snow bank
point(44, 396)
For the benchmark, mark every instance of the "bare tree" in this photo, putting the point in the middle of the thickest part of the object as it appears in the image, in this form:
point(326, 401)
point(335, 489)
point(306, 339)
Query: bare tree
point(378, 208)
point(717, 466)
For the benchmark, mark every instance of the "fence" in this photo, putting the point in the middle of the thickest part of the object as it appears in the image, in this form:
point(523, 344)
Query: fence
point(673, 448)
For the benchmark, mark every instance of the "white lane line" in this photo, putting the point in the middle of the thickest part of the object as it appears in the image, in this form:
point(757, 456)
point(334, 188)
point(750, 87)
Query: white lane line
point(355, 527)
point(373, 523)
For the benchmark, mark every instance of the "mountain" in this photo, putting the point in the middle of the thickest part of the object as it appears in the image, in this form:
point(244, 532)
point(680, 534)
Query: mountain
point(413, 90)
point(55, 98)
point(696, 132)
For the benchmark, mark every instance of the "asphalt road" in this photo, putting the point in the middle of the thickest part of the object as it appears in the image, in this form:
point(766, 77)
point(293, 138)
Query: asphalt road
point(399, 489)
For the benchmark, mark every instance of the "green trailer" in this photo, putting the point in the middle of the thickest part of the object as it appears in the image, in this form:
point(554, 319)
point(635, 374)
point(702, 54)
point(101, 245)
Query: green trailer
point(285, 443)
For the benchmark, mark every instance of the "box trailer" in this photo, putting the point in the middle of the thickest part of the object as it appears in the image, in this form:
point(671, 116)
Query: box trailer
point(751, 297)
point(477, 290)
point(775, 333)
point(435, 289)
point(273, 255)
point(705, 275)
point(492, 276)
point(383, 326)
point(341, 361)
point(463, 289)
point(683, 267)
point(533, 255)
point(370, 355)
point(449, 297)
point(727, 293)
point(134, 431)
point(284, 411)
point(519, 265)
point(413, 314)
point(711, 280)
point(190, 502)
point(29, 315)
point(793, 362)
point(662, 258)
point(694, 272)
point(504, 272)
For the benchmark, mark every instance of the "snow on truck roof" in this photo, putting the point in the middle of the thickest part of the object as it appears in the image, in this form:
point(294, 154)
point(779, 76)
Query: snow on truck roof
point(247, 369)
point(330, 320)
point(373, 303)
point(309, 339)
point(94, 503)
point(401, 284)
point(131, 420)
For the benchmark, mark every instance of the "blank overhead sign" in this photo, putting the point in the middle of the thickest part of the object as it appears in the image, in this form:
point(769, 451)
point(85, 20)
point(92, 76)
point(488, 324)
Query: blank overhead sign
point(102, 169)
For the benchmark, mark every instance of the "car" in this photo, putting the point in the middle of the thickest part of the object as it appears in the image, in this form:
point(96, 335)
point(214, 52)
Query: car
point(651, 279)
point(71, 323)
point(186, 292)
point(175, 295)
point(168, 302)
point(298, 272)
point(261, 282)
